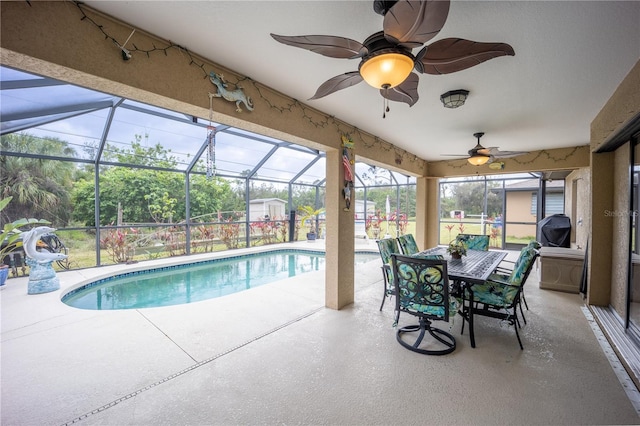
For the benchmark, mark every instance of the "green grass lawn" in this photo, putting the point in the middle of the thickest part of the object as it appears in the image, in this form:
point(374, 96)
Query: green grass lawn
point(82, 254)
point(446, 235)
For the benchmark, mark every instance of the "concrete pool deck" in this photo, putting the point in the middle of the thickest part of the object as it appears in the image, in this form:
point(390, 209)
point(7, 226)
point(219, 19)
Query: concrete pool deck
point(274, 354)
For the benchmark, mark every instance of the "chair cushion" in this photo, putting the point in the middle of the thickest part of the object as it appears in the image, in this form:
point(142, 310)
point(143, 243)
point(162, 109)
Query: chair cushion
point(474, 242)
point(422, 287)
point(521, 266)
point(437, 311)
point(534, 244)
point(387, 247)
point(495, 294)
point(429, 256)
point(500, 290)
point(408, 244)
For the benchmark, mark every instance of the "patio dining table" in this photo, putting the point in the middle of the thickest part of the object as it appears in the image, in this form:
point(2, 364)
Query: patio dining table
point(474, 268)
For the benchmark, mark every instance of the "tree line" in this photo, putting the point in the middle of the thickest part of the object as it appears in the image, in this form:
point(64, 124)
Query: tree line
point(138, 184)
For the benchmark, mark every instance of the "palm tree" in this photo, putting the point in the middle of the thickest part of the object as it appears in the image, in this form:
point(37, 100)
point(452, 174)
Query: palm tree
point(39, 187)
point(311, 214)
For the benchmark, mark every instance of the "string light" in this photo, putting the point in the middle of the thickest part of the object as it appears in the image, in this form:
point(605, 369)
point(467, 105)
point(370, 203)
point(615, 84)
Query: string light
point(310, 115)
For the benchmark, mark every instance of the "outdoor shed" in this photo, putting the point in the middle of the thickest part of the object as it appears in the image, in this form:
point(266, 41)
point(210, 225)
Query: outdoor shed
point(267, 208)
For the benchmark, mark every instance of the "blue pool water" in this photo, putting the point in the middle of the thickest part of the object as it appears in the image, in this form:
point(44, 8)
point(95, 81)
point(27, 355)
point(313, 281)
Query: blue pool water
point(194, 282)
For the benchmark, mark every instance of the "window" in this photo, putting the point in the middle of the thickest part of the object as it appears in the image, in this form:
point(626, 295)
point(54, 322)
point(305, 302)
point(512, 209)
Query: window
point(555, 203)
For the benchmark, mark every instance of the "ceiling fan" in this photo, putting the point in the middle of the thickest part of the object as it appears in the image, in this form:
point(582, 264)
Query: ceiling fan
point(479, 155)
point(386, 58)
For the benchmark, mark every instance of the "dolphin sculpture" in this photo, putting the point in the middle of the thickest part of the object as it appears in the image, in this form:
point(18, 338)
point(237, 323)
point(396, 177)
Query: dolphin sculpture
point(29, 240)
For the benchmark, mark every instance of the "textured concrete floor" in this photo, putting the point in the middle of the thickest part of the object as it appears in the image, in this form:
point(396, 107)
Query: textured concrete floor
point(275, 355)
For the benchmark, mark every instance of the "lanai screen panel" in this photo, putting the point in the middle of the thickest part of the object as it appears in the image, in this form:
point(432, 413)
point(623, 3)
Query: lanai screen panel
point(179, 139)
point(235, 155)
point(57, 119)
point(286, 163)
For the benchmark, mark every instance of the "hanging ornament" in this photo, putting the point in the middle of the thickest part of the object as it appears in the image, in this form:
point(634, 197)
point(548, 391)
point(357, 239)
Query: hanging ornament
point(211, 152)
point(347, 163)
point(211, 142)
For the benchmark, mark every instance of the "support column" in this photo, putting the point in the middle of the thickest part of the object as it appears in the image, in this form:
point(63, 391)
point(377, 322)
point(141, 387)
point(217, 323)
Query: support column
point(340, 240)
point(602, 188)
point(421, 212)
point(426, 212)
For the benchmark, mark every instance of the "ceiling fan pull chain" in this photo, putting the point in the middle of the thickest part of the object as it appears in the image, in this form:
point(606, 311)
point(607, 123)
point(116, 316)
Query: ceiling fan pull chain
point(385, 101)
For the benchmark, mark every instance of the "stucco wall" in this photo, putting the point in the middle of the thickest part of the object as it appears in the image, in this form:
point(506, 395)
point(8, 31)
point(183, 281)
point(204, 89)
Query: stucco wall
point(622, 107)
point(518, 205)
point(52, 39)
point(577, 205)
point(606, 170)
point(620, 228)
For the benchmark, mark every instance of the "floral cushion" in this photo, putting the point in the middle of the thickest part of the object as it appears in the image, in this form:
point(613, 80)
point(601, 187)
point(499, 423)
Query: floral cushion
point(474, 242)
point(424, 288)
point(387, 247)
point(527, 255)
point(500, 290)
point(534, 244)
point(438, 311)
point(429, 256)
point(408, 244)
point(495, 293)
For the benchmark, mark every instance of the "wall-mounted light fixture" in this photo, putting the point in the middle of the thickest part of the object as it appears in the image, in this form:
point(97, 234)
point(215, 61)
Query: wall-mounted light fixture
point(454, 98)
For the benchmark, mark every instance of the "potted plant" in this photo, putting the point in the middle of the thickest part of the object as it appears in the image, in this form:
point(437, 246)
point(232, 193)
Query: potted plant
point(310, 213)
point(457, 249)
point(10, 238)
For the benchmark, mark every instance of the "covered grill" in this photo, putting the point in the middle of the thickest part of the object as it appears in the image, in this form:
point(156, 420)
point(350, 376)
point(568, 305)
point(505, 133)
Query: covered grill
point(555, 231)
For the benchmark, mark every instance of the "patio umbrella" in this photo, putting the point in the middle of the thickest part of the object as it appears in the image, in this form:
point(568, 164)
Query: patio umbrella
point(388, 211)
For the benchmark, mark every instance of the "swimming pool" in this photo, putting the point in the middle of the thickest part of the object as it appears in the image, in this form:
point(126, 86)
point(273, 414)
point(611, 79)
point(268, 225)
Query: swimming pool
point(193, 282)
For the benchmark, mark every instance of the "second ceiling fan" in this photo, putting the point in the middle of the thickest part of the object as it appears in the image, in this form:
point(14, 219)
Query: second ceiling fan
point(386, 58)
point(479, 155)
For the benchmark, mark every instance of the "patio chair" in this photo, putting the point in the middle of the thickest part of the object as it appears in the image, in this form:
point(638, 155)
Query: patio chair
point(474, 242)
point(422, 290)
point(504, 273)
point(408, 244)
point(387, 247)
point(499, 298)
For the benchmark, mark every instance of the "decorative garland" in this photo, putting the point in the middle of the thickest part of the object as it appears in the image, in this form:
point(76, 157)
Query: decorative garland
point(543, 152)
point(310, 115)
point(549, 156)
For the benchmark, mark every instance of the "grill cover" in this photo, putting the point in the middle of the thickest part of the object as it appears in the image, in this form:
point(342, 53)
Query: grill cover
point(555, 231)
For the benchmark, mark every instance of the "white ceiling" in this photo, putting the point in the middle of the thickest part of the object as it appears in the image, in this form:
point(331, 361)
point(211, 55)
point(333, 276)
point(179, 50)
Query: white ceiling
point(570, 57)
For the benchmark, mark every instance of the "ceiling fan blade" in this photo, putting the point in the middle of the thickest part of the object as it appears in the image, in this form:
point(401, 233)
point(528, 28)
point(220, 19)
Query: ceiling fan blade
point(381, 7)
point(406, 92)
point(331, 46)
point(413, 23)
point(456, 54)
point(496, 153)
point(336, 83)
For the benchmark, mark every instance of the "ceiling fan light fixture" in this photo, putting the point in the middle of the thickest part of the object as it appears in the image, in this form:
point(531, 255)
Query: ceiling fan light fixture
point(478, 159)
point(454, 98)
point(386, 69)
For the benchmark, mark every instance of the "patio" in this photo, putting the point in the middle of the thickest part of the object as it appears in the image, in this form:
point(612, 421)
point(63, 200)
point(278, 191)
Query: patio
point(275, 354)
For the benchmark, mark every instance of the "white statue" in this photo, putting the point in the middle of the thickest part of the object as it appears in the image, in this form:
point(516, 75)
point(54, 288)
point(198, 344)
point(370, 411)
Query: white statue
point(42, 277)
point(29, 241)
